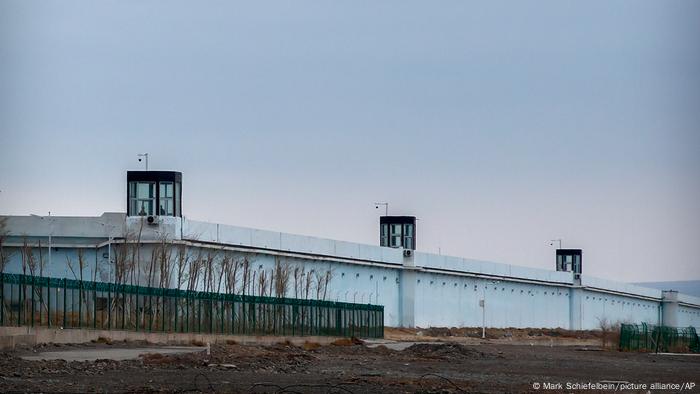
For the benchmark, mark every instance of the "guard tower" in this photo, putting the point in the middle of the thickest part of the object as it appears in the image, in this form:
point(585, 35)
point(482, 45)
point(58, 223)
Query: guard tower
point(397, 231)
point(154, 193)
point(569, 260)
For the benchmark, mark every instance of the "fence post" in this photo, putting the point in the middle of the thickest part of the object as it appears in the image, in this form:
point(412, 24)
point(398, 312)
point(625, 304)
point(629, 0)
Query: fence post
point(177, 308)
point(21, 302)
point(137, 308)
point(162, 310)
point(150, 309)
point(211, 313)
point(109, 306)
point(94, 305)
point(33, 291)
point(2, 299)
point(48, 302)
point(123, 306)
point(64, 302)
point(80, 304)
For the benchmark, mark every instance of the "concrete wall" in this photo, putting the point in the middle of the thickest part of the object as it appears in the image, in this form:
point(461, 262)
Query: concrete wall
point(11, 337)
point(599, 307)
point(423, 290)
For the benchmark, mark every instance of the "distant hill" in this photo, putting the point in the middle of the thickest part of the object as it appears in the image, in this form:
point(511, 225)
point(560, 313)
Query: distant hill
point(690, 287)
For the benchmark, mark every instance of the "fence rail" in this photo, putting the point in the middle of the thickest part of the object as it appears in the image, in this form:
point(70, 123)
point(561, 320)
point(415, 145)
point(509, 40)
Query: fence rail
point(649, 338)
point(51, 302)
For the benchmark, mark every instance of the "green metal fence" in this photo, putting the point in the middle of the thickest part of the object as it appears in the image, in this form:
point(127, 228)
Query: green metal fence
point(51, 302)
point(649, 338)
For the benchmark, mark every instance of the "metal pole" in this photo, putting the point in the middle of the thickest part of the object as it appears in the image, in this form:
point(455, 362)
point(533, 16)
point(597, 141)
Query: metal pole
point(50, 233)
point(483, 315)
point(48, 303)
point(109, 258)
point(64, 302)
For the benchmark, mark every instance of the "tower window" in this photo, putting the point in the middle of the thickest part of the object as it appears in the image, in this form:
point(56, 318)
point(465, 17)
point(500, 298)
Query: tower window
point(395, 235)
point(408, 236)
point(384, 235)
point(166, 206)
point(142, 198)
point(398, 232)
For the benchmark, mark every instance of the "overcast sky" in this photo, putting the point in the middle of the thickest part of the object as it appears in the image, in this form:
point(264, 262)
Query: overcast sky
point(500, 125)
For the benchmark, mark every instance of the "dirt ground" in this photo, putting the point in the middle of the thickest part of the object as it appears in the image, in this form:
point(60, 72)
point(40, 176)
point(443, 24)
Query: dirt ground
point(493, 366)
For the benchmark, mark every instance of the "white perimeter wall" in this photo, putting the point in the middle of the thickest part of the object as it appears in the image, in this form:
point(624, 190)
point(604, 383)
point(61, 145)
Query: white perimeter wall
point(445, 290)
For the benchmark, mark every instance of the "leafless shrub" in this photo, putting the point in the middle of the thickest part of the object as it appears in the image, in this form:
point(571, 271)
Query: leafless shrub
point(610, 332)
point(183, 260)
point(246, 276)
point(262, 282)
point(165, 263)
point(281, 280)
point(28, 258)
point(302, 282)
point(327, 280)
point(136, 254)
point(308, 284)
point(42, 261)
point(209, 274)
point(231, 274)
point(124, 266)
point(319, 278)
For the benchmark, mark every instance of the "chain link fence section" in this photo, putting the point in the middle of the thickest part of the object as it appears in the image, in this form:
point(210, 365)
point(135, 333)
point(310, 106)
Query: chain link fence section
point(650, 338)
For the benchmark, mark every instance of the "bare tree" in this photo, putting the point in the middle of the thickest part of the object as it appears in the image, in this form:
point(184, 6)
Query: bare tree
point(41, 260)
point(183, 260)
point(329, 277)
point(123, 266)
point(165, 263)
point(232, 269)
point(28, 258)
point(308, 284)
point(194, 271)
point(262, 282)
point(246, 276)
point(299, 274)
point(322, 279)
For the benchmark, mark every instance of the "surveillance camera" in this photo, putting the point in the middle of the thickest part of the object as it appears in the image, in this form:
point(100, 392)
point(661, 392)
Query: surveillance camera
point(376, 206)
point(139, 159)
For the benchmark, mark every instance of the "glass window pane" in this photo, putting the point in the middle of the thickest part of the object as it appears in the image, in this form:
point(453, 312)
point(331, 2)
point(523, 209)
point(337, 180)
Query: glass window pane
point(145, 190)
point(166, 189)
point(166, 206)
point(176, 199)
point(143, 208)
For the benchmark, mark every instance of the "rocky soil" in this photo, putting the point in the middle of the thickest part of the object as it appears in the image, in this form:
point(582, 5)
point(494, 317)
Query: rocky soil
point(346, 367)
